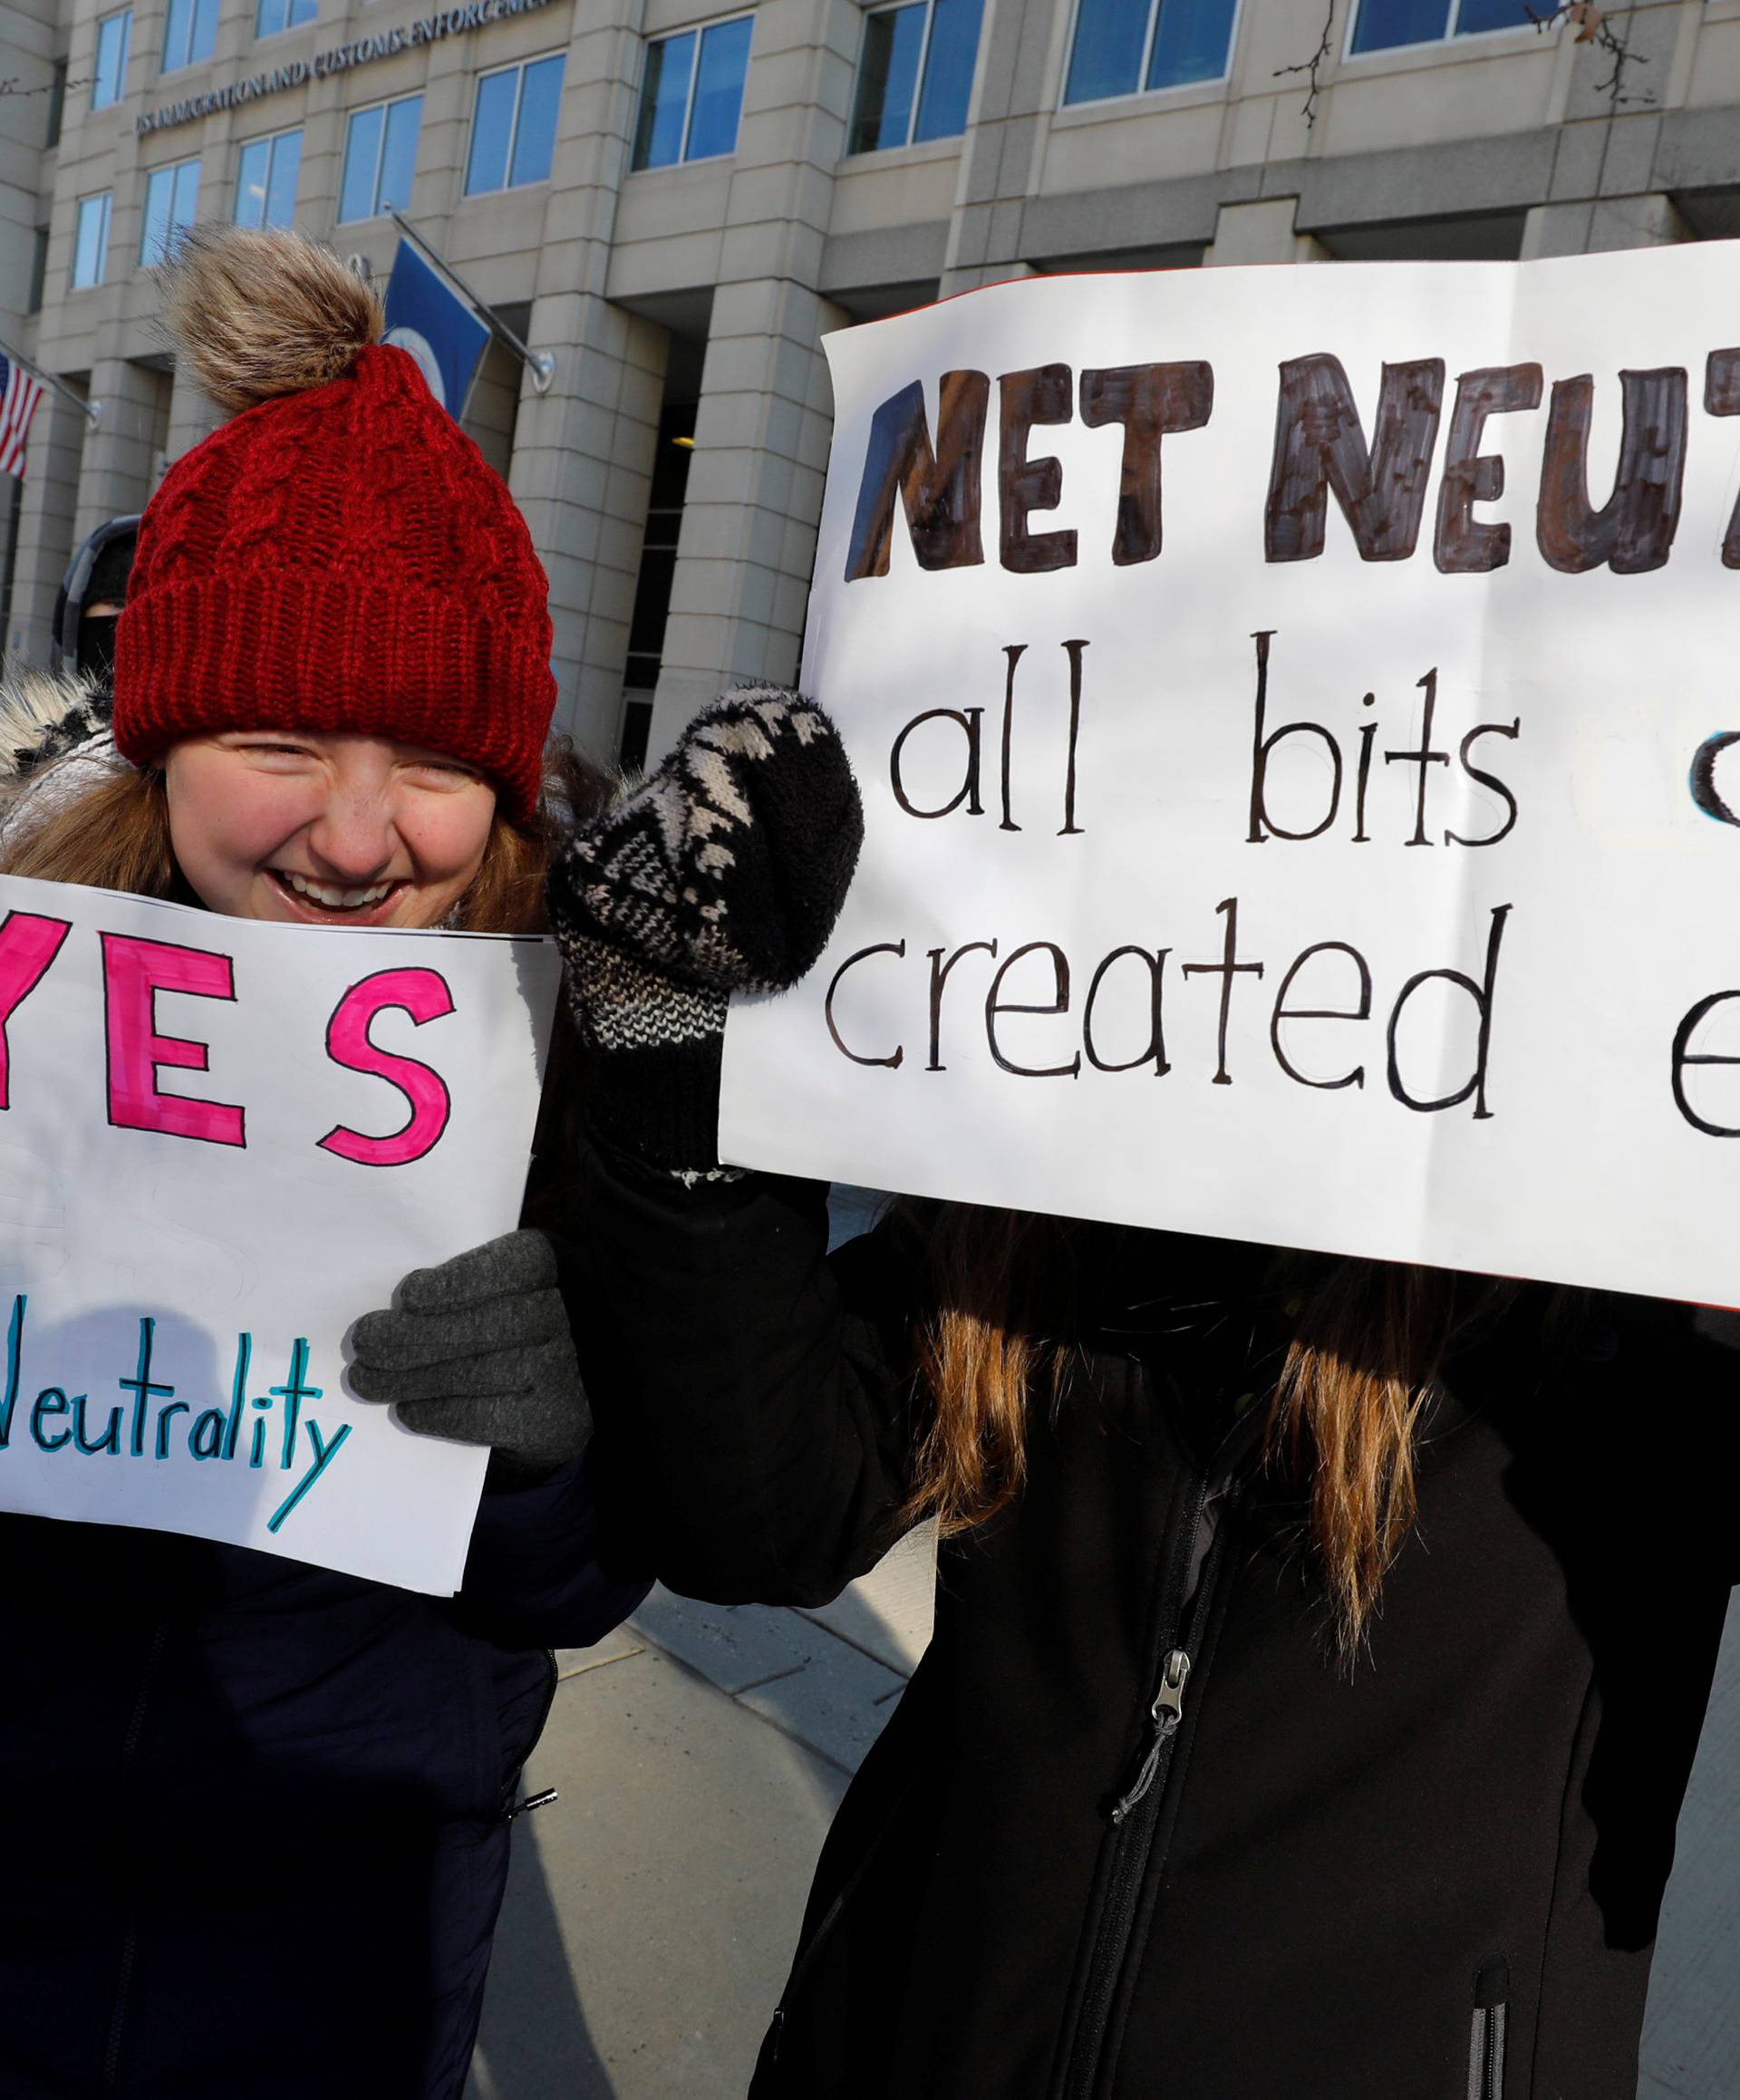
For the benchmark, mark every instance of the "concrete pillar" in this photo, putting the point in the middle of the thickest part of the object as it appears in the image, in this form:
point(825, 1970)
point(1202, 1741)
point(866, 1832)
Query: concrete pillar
point(28, 40)
point(582, 472)
point(581, 463)
point(192, 415)
point(1262, 232)
point(748, 541)
point(45, 524)
point(1001, 160)
point(124, 452)
point(1596, 225)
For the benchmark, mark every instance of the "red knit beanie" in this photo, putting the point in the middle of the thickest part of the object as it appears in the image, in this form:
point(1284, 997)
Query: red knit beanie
point(339, 555)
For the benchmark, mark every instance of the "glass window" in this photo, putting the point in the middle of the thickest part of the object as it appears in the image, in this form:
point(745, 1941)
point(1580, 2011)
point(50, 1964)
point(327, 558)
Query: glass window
point(114, 33)
point(1474, 15)
point(719, 89)
point(948, 69)
point(91, 246)
point(1385, 24)
point(266, 180)
point(190, 29)
point(512, 126)
point(1121, 46)
point(915, 77)
point(172, 203)
point(691, 94)
point(540, 91)
point(379, 159)
point(665, 101)
point(272, 15)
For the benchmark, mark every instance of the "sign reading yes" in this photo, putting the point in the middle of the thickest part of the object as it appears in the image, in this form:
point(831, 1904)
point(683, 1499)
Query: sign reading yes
point(190, 1106)
point(1291, 706)
point(135, 970)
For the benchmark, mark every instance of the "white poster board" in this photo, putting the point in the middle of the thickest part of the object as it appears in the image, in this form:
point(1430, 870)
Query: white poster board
point(221, 1142)
point(1290, 706)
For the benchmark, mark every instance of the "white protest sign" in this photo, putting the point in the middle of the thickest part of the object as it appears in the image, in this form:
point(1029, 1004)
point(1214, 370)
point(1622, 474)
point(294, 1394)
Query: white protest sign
point(1292, 707)
point(221, 1141)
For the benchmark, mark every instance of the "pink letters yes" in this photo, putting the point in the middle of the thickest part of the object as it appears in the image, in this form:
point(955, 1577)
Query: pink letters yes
point(423, 994)
point(28, 945)
point(134, 972)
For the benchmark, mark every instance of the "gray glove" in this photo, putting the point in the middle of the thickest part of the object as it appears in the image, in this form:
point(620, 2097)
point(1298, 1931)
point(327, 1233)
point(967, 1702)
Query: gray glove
point(479, 1350)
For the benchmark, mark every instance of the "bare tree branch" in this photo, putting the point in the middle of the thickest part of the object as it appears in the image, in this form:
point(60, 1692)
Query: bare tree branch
point(14, 86)
point(1313, 67)
point(1594, 26)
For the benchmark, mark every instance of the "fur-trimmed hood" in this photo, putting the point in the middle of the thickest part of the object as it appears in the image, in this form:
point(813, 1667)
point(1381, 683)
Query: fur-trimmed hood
point(47, 716)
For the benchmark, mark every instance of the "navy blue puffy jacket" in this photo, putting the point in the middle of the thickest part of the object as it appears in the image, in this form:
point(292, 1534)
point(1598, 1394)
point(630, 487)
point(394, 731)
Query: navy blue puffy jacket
point(252, 1814)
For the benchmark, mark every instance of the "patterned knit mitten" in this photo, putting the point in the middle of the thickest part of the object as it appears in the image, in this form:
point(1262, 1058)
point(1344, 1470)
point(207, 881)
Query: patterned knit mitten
point(724, 873)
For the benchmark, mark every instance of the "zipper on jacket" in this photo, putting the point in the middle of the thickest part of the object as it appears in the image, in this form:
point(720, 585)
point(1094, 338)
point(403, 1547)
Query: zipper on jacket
point(1167, 1712)
point(1135, 1816)
point(1486, 2034)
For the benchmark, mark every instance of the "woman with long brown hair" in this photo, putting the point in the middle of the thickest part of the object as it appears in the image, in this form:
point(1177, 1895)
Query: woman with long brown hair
point(254, 1816)
point(1320, 1645)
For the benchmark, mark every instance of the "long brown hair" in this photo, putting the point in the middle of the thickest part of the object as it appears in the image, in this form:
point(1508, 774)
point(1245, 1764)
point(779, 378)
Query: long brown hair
point(113, 833)
point(1367, 1343)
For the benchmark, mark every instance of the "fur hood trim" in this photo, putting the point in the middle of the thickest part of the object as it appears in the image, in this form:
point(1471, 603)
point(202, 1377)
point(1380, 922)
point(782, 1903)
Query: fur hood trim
point(46, 716)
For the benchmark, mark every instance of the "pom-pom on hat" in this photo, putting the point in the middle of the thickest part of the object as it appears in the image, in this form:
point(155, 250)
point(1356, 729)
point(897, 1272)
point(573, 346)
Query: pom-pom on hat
point(337, 556)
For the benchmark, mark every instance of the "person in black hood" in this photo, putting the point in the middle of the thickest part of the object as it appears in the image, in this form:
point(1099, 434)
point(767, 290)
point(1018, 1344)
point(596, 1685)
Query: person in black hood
point(1321, 1645)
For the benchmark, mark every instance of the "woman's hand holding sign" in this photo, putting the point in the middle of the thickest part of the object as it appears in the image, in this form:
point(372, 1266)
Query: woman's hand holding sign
point(478, 1350)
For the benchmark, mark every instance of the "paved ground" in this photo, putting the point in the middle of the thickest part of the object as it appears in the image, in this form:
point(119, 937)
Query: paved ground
point(700, 1754)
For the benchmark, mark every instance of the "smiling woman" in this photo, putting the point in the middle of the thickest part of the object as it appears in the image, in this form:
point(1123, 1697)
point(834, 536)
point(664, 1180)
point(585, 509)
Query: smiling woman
point(325, 827)
point(333, 696)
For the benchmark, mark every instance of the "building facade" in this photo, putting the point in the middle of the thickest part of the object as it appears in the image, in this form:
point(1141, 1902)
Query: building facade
point(675, 199)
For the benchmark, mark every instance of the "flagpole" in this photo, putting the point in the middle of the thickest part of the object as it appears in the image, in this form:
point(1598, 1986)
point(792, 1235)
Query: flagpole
point(93, 409)
point(540, 362)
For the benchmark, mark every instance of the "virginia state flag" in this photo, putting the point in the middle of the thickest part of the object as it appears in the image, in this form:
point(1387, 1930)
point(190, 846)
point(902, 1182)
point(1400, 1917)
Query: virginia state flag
point(431, 321)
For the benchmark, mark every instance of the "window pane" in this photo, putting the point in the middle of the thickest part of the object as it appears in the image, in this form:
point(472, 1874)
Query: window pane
point(268, 18)
point(184, 207)
point(281, 186)
point(1107, 55)
point(1384, 24)
point(1190, 41)
point(887, 78)
point(302, 11)
point(110, 81)
point(665, 97)
point(1478, 14)
point(157, 216)
point(361, 151)
point(948, 69)
point(398, 160)
point(251, 171)
point(492, 118)
point(535, 135)
point(176, 24)
point(204, 37)
point(90, 249)
point(719, 89)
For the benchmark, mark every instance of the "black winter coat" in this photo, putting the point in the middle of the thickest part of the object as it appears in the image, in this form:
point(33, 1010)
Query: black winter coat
point(1133, 1834)
point(253, 1834)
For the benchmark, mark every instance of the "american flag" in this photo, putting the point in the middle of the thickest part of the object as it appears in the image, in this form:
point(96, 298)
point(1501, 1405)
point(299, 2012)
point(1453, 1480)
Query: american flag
point(19, 395)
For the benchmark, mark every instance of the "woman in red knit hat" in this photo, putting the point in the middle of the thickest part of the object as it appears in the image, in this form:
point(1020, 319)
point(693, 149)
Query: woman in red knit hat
point(254, 1814)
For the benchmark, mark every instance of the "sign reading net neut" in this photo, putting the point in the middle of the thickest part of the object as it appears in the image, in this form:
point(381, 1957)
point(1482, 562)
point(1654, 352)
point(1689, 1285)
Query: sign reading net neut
point(222, 1141)
point(1293, 709)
